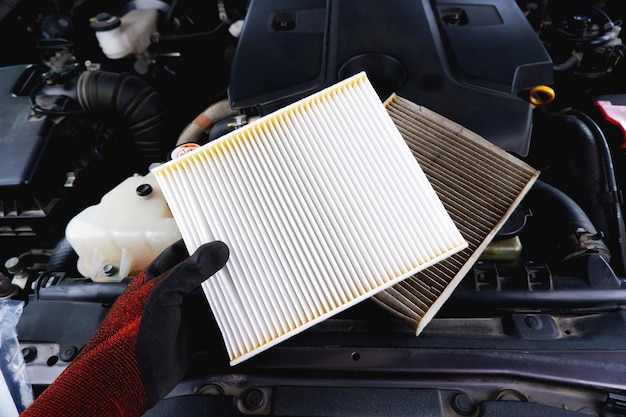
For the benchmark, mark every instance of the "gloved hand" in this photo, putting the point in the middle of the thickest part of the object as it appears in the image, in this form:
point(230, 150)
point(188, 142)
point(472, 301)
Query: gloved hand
point(139, 352)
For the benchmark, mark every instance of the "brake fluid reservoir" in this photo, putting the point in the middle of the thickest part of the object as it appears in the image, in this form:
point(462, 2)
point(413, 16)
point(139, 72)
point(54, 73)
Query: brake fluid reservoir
point(122, 234)
point(128, 35)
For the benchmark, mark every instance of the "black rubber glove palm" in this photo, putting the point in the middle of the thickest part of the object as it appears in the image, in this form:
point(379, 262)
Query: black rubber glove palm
point(162, 341)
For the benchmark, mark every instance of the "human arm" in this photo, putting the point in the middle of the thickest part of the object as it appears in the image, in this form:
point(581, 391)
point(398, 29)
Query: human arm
point(138, 353)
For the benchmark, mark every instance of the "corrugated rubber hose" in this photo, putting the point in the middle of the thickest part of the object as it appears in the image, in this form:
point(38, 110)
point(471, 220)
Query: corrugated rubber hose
point(134, 105)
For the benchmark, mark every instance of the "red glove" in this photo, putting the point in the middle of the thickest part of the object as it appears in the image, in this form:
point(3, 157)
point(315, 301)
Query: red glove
point(139, 353)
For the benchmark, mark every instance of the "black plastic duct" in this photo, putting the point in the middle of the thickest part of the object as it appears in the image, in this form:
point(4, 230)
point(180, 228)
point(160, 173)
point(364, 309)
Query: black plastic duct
point(131, 104)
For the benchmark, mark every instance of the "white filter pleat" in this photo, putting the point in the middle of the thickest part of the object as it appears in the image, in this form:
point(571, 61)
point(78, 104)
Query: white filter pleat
point(322, 204)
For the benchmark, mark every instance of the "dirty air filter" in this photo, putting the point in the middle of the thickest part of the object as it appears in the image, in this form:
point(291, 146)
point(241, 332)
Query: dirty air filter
point(479, 184)
point(322, 205)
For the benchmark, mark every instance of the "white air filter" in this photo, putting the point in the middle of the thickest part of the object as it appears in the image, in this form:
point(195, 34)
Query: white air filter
point(322, 204)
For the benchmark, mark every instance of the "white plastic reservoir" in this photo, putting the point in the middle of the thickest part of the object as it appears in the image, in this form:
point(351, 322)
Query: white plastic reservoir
point(122, 234)
point(131, 37)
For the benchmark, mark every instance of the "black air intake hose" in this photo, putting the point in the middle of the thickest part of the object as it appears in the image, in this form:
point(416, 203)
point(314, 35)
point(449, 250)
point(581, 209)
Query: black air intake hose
point(559, 222)
point(63, 258)
point(611, 199)
point(578, 162)
point(133, 105)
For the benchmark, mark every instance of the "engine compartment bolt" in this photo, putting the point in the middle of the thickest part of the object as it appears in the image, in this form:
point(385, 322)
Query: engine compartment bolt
point(463, 404)
point(14, 265)
point(109, 270)
point(68, 353)
point(533, 322)
point(210, 389)
point(254, 399)
point(29, 353)
point(144, 190)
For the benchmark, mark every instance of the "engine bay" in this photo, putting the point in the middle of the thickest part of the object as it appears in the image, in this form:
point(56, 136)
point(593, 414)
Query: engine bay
point(93, 95)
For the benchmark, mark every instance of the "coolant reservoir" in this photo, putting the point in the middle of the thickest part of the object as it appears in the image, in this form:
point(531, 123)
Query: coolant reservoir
point(122, 234)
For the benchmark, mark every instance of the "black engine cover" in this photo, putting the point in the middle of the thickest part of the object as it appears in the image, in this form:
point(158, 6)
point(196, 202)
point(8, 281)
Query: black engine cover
point(468, 60)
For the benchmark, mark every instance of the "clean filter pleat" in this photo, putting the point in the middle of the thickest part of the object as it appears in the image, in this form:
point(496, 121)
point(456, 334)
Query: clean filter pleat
point(322, 204)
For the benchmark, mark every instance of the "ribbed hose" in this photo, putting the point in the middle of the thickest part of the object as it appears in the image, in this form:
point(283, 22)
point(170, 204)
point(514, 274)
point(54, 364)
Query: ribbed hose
point(133, 105)
point(63, 258)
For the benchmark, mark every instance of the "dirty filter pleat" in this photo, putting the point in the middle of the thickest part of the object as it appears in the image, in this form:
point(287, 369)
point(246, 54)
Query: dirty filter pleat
point(479, 184)
point(322, 204)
